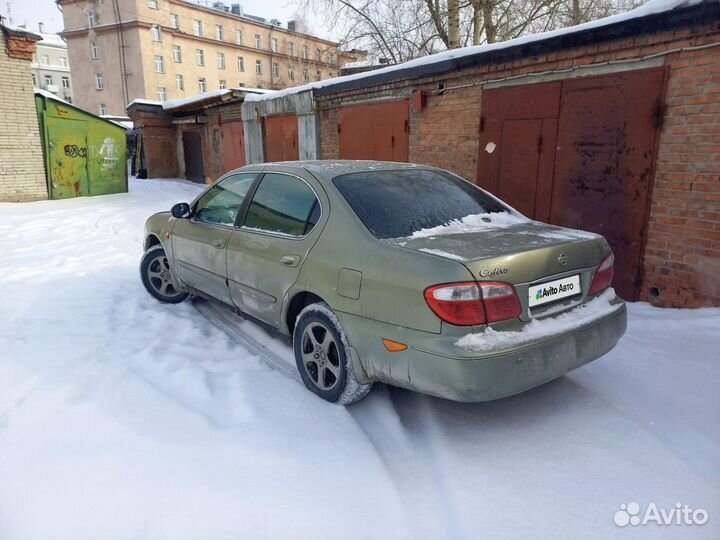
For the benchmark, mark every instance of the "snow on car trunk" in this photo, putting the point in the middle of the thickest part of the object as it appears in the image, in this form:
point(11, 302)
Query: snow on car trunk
point(124, 418)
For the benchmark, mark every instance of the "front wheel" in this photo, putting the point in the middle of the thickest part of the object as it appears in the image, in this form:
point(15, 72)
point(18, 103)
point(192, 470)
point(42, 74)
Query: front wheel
point(156, 276)
point(322, 355)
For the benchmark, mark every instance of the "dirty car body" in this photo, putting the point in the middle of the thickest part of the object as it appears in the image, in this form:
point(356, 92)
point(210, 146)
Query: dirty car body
point(432, 283)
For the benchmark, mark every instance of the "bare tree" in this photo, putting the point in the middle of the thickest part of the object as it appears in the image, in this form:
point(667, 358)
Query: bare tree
point(399, 30)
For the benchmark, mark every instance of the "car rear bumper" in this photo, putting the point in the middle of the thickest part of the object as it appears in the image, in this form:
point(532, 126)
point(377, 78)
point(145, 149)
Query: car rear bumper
point(493, 374)
point(503, 374)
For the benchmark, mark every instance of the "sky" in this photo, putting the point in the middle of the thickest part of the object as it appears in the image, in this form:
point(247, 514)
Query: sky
point(31, 12)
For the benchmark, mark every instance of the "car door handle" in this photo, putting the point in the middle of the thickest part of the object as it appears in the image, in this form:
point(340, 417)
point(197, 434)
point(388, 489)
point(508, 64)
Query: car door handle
point(290, 260)
point(219, 243)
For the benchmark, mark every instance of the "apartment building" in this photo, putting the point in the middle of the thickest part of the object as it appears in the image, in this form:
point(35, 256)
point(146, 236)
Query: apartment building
point(51, 67)
point(123, 50)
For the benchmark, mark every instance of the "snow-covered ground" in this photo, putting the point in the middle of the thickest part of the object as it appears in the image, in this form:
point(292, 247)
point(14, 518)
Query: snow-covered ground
point(124, 418)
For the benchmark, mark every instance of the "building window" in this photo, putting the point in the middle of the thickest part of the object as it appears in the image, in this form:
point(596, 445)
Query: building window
point(63, 61)
point(103, 109)
point(99, 85)
point(219, 34)
point(202, 85)
point(159, 64)
point(274, 45)
point(34, 79)
point(153, 4)
point(318, 76)
point(258, 41)
point(330, 75)
point(48, 80)
point(275, 70)
point(305, 52)
point(291, 49)
point(238, 37)
point(94, 51)
point(92, 19)
point(223, 84)
point(199, 57)
point(241, 63)
point(179, 82)
point(197, 27)
point(318, 55)
point(161, 94)
point(66, 82)
point(174, 21)
point(306, 75)
point(221, 60)
point(44, 59)
point(177, 54)
point(332, 58)
point(156, 33)
point(258, 67)
point(291, 73)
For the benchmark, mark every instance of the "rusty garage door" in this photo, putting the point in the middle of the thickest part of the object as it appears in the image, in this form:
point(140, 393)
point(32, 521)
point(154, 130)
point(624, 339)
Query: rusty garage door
point(578, 153)
point(281, 138)
point(233, 145)
point(374, 131)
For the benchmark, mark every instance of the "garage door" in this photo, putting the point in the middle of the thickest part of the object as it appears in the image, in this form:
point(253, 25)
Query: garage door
point(233, 145)
point(578, 153)
point(374, 131)
point(281, 138)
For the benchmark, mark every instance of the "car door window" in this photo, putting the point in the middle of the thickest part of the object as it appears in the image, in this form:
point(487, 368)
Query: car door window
point(221, 203)
point(283, 204)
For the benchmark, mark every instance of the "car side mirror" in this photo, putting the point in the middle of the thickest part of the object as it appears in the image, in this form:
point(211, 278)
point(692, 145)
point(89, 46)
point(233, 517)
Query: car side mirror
point(180, 210)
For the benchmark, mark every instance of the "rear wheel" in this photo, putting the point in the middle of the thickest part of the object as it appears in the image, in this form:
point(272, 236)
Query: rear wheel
point(322, 355)
point(156, 276)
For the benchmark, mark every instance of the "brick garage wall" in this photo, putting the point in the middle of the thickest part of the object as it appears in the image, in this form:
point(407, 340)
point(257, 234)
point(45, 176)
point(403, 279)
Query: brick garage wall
point(22, 166)
point(682, 256)
point(159, 142)
point(683, 239)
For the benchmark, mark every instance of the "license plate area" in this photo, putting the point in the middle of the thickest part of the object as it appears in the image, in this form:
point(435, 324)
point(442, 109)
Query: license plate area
point(550, 291)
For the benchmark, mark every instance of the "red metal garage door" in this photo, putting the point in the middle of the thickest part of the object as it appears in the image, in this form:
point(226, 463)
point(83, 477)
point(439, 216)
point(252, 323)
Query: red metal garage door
point(233, 145)
point(578, 153)
point(374, 131)
point(281, 138)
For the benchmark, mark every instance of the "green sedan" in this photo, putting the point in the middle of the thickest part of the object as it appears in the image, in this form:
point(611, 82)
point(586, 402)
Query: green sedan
point(391, 272)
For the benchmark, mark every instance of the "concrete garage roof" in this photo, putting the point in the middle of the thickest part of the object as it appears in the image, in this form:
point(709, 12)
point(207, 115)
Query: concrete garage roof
point(650, 17)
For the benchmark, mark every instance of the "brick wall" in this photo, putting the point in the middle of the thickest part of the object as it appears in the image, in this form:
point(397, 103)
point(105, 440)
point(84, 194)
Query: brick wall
point(22, 169)
point(682, 256)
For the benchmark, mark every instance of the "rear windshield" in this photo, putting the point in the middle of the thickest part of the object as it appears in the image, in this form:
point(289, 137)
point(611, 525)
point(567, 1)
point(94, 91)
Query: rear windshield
point(395, 204)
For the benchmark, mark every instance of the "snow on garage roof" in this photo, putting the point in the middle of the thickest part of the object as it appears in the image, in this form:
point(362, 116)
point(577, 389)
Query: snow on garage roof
point(650, 8)
point(171, 104)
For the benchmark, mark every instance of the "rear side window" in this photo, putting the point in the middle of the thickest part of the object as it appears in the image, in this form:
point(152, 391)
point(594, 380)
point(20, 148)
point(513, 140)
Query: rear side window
point(283, 204)
point(395, 204)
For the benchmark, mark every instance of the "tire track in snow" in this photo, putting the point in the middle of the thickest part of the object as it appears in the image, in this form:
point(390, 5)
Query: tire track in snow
point(403, 429)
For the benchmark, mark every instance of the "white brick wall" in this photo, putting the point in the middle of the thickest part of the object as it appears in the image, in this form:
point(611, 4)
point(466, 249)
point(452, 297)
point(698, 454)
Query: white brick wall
point(22, 170)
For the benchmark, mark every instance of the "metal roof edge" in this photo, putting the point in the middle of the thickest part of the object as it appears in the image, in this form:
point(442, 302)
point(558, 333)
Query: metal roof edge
point(656, 22)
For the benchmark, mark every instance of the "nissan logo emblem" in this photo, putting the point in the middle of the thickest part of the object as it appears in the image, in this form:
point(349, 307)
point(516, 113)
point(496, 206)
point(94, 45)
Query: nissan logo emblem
point(562, 259)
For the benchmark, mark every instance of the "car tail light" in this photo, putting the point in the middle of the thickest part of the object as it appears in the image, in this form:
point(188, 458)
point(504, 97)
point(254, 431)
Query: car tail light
point(603, 275)
point(501, 301)
point(469, 303)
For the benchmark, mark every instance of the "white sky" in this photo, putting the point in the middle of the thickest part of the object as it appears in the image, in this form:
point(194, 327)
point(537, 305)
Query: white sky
point(31, 12)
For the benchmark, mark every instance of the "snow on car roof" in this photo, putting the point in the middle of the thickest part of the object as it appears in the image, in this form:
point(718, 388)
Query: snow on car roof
point(650, 8)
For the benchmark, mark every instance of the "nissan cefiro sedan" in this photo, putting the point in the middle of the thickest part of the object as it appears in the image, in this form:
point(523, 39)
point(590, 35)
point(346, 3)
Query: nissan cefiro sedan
point(391, 272)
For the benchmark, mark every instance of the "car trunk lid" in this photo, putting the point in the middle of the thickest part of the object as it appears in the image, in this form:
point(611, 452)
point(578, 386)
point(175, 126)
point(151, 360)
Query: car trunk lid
point(524, 253)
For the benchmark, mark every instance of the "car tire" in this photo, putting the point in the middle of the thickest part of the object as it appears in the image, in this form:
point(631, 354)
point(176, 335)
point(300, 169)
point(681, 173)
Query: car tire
point(322, 355)
point(157, 278)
